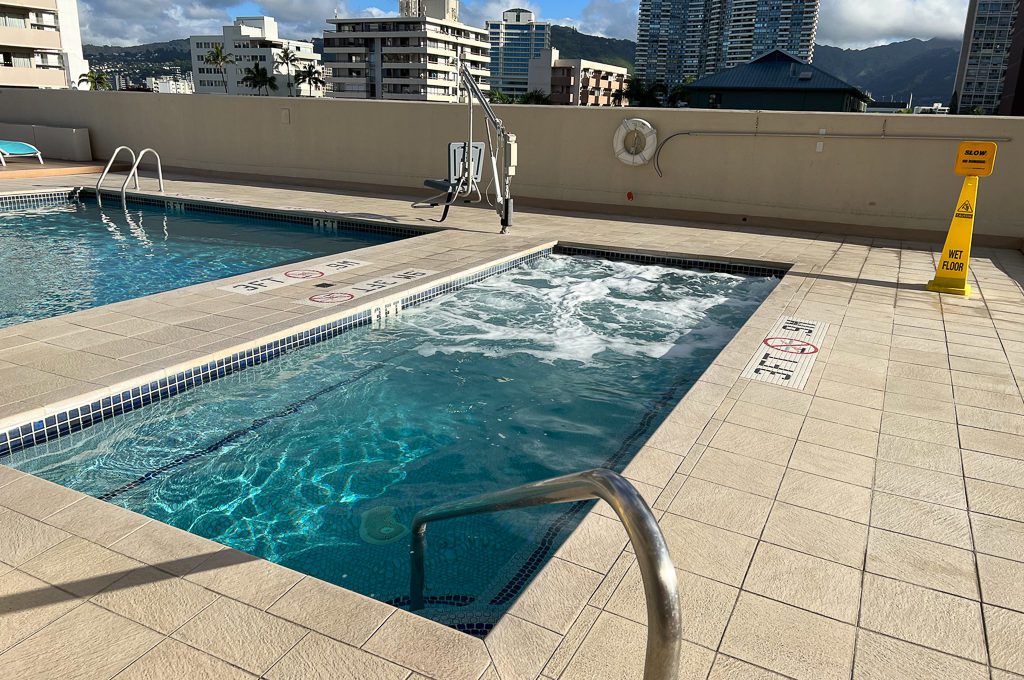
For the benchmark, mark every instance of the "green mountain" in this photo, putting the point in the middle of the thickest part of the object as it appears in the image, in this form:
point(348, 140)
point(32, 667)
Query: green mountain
point(925, 69)
point(572, 44)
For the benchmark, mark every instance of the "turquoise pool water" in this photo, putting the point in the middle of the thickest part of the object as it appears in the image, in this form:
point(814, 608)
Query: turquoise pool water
point(65, 258)
point(318, 460)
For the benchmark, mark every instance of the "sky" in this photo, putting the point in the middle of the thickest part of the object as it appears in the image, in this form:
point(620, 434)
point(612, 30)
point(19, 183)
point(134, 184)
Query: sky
point(843, 23)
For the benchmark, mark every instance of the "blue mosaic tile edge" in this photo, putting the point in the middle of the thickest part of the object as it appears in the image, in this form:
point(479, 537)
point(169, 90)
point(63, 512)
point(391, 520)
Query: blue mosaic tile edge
point(41, 199)
point(746, 269)
point(85, 415)
point(326, 223)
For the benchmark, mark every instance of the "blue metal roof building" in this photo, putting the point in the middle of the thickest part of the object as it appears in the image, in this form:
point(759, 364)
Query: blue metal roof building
point(776, 81)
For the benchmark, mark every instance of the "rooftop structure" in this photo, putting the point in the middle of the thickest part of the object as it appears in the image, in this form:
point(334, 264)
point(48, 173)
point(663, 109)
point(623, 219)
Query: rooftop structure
point(40, 44)
point(405, 57)
point(448, 10)
point(250, 41)
point(1012, 102)
point(776, 82)
point(171, 85)
point(577, 82)
point(515, 40)
point(680, 40)
point(981, 72)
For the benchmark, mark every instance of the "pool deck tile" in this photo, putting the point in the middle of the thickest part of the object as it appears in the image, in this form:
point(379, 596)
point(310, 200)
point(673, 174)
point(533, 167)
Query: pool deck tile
point(839, 531)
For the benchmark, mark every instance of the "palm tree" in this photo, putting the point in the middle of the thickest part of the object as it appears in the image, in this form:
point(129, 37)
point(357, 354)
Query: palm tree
point(258, 79)
point(312, 76)
point(96, 80)
point(289, 60)
point(219, 59)
point(535, 97)
point(642, 93)
point(499, 97)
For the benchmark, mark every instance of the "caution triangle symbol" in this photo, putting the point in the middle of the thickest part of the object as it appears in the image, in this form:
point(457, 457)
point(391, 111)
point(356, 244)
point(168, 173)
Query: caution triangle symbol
point(965, 207)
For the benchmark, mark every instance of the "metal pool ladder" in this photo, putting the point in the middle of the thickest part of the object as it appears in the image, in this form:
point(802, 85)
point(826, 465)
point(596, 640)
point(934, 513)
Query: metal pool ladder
point(132, 174)
point(661, 591)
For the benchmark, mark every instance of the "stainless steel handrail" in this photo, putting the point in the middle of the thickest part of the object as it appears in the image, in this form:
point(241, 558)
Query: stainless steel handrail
point(135, 172)
point(113, 157)
point(664, 622)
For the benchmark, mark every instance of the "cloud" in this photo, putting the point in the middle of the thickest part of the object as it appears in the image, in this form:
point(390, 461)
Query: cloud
point(862, 23)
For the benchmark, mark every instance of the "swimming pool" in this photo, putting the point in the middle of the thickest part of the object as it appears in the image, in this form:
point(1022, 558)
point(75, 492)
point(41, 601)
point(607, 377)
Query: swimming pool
point(318, 460)
point(64, 258)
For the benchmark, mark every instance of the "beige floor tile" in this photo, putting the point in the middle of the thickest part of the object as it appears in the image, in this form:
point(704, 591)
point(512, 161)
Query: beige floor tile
point(834, 464)
point(85, 644)
point(805, 581)
point(826, 495)
point(172, 660)
point(429, 648)
point(240, 634)
point(997, 469)
point(885, 658)
point(705, 604)
point(789, 640)
point(926, 617)
point(652, 466)
point(245, 578)
point(925, 520)
point(557, 595)
point(675, 436)
point(787, 400)
point(922, 429)
point(753, 443)
point(999, 537)
point(1005, 635)
point(928, 564)
point(845, 414)
point(920, 407)
point(998, 500)
point(841, 437)
point(571, 642)
point(996, 401)
point(80, 567)
point(520, 649)
point(899, 369)
point(920, 484)
point(728, 668)
point(166, 548)
point(155, 599)
point(816, 533)
point(850, 394)
point(97, 521)
point(595, 544)
point(986, 383)
point(317, 656)
point(8, 475)
point(739, 472)
point(987, 441)
point(986, 419)
point(847, 375)
point(615, 646)
point(37, 497)
point(721, 506)
point(766, 419)
point(333, 611)
point(27, 605)
point(24, 538)
point(1001, 582)
point(922, 389)
point(706, 550)
point(919, 454)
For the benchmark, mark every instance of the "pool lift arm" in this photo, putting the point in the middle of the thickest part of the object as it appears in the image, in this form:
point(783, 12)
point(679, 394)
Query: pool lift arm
point(463, 183)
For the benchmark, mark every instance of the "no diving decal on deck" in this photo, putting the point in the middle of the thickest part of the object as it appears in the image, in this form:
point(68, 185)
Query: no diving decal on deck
point(287, 277)
point(366, 287)
point(787, 354)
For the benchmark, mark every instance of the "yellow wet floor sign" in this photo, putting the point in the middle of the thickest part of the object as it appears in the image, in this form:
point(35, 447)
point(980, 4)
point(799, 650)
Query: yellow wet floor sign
point(973, 160)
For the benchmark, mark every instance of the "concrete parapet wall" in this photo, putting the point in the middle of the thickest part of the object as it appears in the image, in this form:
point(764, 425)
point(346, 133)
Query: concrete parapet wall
point(872, 173)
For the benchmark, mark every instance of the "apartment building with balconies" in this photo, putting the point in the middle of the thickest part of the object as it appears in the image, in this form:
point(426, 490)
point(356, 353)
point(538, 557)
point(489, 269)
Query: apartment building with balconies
point(250, 41)
point(40, 44)
point(577, 82)
point(405, 57)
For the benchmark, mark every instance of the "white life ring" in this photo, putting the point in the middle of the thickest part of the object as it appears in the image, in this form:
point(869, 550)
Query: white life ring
point(635, 142)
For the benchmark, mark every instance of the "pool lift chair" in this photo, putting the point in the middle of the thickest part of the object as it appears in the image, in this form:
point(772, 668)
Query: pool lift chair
point(465, 171)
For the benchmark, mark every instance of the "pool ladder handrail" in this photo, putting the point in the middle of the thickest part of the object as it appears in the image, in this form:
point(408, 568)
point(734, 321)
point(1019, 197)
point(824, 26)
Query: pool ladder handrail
point(132, 174)
point(661, 589)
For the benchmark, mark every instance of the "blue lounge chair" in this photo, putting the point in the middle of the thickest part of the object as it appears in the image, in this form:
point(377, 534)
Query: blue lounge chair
point(17, 150)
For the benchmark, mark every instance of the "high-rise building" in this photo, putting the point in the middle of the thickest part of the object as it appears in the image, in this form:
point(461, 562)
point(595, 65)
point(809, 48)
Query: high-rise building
point(170, 85)
point(577, 82)
point(406, 57)
point(680, 40)
point(1012, 103)
point(40, 44)
point(515, 40)
point(437, 9)
point(250, 40)
point(984, 56)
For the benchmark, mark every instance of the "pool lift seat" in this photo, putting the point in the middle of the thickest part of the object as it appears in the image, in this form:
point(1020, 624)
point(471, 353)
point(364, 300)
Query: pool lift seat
point(465, 171)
